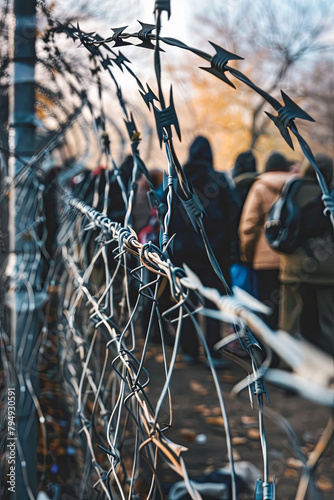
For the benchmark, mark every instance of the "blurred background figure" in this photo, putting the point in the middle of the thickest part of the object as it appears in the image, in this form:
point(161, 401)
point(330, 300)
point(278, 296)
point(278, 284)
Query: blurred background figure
point(142, 210)
point(307, 274)
point(221, 208)
point(254, 248)
point(90, 186)
point(100, 188)
point(146, 223)
point(243, 175)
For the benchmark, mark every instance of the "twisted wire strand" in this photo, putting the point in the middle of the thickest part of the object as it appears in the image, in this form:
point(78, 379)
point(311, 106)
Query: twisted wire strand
point(110, 321)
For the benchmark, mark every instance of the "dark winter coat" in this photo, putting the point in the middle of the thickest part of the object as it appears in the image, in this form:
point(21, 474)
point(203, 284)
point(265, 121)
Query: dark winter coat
point(220, 204)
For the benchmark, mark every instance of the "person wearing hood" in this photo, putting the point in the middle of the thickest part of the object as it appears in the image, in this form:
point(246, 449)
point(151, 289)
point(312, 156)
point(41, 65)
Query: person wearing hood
point(243, 174)
point(221, 206)
point(254, 248)
point(307, 274)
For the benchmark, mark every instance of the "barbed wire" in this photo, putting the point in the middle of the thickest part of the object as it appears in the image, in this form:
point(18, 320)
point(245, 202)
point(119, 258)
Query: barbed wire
point(313, 384)
point(104, 375)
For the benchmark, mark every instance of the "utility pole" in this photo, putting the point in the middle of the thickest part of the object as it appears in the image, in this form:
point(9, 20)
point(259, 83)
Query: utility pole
point(24, 297)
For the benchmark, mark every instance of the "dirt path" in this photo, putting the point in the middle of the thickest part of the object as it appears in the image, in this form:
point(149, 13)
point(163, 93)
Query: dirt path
point(197, 425)
point(196, 412)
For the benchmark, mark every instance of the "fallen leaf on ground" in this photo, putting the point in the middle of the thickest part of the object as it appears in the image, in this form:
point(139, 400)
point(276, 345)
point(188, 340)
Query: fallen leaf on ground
point(248, 420)
point(237, 440)
point(215, 420)
point(216, 410)
point(198, 388)
point(324, 484)
point(253, 433)
point(188, 435)
point(294, 463)
point(201, 409)
point(290, 473)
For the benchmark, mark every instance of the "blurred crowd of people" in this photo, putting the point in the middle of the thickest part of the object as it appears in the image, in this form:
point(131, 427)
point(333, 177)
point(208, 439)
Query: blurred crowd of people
point(297, 286)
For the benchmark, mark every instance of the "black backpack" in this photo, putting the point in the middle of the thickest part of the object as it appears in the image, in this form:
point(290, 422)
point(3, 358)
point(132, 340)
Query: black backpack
point(282, 227)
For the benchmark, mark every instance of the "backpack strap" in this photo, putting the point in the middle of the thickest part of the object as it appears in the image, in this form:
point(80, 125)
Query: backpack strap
point(282, 225)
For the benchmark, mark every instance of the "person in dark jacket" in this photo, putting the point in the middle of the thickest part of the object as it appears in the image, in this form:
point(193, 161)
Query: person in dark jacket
point(243, 174)
point(221, 206)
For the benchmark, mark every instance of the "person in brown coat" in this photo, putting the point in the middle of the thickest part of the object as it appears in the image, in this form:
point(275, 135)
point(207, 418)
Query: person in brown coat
point(253, 244)
point(307, 274)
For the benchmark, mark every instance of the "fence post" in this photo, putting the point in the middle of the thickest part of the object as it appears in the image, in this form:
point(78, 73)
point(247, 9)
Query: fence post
point(23, 304)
